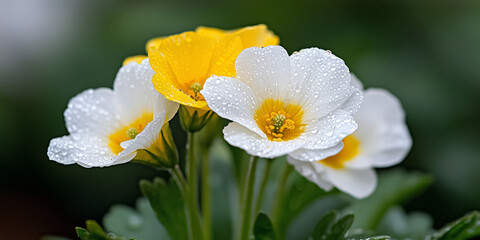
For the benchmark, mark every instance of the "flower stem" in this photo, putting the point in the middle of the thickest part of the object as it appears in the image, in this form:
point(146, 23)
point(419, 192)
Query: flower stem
point(192, 188)
point(247, 198)
point(266, 174)
point(277, 206)
point(182, 185)
point(206, 212)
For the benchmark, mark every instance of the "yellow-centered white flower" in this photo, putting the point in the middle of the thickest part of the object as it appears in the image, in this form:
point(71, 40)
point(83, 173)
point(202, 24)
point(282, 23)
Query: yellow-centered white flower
point(381, 140)
point(282, 104)
point(107, 126)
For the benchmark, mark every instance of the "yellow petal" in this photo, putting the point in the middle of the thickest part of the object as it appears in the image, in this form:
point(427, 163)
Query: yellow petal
point(154, 42)
point(251, 36)
point(189, 56)
point(224, 56)
point(138, 59)
point(167, 88)
point(256, 36)
point(211, 32)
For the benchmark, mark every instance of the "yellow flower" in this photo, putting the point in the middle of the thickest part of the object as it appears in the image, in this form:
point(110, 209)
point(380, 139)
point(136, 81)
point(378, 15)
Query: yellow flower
point(251, 36)
point(183, 63)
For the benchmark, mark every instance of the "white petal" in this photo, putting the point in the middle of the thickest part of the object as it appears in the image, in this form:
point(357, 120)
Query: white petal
point(162, 104)
point(265, 70)
point(233, 100)
point(92, 111)
point(322, 82)
point(86, 149)
point(240, 136)
point(312, 171)
point(135, 94)
point(303, 154)
point(356, 82)
point(361, 161)
point(143, 140)
point(382, 130)
point(328, 131)
point(358, 183)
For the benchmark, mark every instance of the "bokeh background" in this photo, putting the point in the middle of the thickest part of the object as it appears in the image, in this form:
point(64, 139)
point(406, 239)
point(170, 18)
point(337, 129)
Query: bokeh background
point(425, 52)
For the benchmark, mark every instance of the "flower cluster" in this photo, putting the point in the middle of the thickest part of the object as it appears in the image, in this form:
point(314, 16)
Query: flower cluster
point(307, 106)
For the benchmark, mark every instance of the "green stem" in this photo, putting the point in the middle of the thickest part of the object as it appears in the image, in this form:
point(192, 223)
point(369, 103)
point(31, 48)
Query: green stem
point(206, 212)
point(192, 188)
point(182, 185)
point(277, 206)
point(266, 174)
point(247, 200)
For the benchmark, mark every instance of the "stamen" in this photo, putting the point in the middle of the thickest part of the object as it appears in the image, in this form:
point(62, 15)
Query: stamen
point(277, 123)
point(194, 91)
point(132, 133)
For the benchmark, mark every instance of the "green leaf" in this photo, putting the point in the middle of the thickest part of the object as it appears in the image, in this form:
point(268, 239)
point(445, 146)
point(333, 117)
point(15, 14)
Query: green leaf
point(95, 232)
point(323, 226)
point(340, 228)
point(467, 227)
point(400, 225)
point(263, 228)
point(140, 222)
point(299, 198)
point(168, 204)
point(394, 187)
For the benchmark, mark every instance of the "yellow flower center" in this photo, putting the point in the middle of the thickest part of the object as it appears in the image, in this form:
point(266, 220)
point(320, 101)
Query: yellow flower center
point(279, 121)
point(351, 148)
point(128, 132)
point(194, 91)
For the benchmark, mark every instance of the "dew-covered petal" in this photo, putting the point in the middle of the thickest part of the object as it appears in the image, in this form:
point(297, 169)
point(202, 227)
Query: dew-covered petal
point(303, 154)
point(92, 111)
point(264, 70)
point(356, 82)
point(88, 150)
point(242, 137)
point(312, 171)
point(143, 140)
point(233, 100)
point(134, 92)
point(321, 83)
point(329, 130)
point(382, 129)
point(359, 183)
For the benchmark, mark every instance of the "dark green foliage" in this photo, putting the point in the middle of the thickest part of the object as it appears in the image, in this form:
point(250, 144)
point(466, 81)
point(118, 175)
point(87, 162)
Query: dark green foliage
point(263, 228)
point(140, 222)
point(467, 227)
point(394, 187)
point(167, 202)
point(329, 229)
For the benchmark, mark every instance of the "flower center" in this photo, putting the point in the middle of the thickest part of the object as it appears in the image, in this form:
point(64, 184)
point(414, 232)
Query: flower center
point(128, 132)
point(194, 91)
point(132, 133)
point(280, 122)
point(351, 148)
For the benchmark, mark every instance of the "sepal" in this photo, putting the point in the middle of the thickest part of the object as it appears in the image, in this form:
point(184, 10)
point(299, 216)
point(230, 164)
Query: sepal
point(95, 232)
point(194, 119)
point(162, 154)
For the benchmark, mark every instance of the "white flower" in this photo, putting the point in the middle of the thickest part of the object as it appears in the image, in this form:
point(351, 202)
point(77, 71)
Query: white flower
point(107, 126)
point(286, 105)
point(381, 140)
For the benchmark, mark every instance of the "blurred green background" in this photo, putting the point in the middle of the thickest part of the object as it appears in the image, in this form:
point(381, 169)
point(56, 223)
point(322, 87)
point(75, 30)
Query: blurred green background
point(425, 52)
